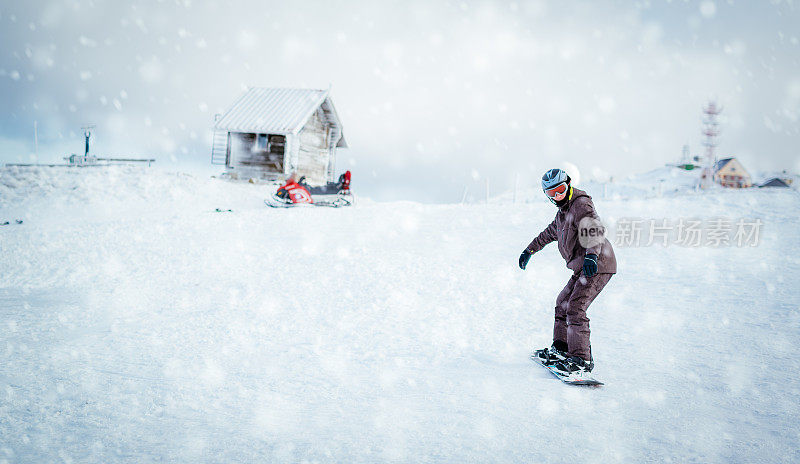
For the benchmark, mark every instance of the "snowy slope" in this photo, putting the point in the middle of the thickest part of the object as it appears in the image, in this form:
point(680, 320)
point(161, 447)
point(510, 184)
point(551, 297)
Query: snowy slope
point(139, 325)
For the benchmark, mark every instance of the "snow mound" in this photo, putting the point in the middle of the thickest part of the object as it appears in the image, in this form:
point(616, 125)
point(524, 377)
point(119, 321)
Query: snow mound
point(101, 184)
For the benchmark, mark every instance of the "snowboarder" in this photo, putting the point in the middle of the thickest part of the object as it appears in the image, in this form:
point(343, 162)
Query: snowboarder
point(582, 243)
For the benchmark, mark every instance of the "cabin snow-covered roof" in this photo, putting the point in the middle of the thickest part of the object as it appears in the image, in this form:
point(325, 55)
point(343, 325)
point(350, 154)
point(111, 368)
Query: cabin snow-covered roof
point(722, 163)
point(277, 111)
point(775, 182)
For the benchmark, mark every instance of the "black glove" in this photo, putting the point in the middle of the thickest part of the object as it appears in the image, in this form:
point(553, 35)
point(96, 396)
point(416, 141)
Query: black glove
point(590, 265)
point(523, 259)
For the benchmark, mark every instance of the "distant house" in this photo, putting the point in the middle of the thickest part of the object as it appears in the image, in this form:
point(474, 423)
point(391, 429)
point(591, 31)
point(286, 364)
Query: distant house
point(776, 182)
point(269, 133)
point(729, 172)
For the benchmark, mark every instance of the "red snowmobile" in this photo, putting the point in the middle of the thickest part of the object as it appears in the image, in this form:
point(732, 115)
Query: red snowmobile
point(298, 193)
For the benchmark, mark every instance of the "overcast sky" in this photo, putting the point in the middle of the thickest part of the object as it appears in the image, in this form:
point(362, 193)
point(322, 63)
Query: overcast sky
point(434, 96)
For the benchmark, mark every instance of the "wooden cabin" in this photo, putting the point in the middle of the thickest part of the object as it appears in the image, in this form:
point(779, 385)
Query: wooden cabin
point(729, 172)
point(270, 133)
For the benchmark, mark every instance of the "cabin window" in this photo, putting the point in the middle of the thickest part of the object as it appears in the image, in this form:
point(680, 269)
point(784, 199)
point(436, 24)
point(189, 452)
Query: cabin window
point(277, 144)
point(261, 142)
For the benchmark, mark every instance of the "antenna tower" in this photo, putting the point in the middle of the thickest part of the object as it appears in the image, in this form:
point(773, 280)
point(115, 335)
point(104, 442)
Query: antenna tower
point(711, 132)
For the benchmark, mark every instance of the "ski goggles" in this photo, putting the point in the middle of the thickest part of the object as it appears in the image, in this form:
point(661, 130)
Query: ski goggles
point(557, 191)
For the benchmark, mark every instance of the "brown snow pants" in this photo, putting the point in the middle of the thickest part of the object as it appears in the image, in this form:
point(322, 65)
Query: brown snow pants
point(572, 325)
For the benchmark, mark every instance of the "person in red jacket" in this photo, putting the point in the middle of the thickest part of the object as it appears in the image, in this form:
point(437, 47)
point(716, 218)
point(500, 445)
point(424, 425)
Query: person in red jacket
point(582, 244)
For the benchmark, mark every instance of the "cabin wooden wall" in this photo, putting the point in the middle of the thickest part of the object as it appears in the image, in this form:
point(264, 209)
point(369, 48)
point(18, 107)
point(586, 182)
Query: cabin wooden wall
point(314, 153)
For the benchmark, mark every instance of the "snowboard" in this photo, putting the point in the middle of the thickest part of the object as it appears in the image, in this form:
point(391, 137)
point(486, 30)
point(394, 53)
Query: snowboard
point(574, 379)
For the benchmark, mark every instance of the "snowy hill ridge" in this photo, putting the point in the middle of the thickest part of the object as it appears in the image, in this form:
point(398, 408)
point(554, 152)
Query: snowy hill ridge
point(102, 184)
point(73, 186)
point(140, 325)
point(666, 181)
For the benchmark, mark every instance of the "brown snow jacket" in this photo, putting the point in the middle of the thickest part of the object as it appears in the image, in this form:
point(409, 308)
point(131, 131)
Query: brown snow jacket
point(579, 232)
